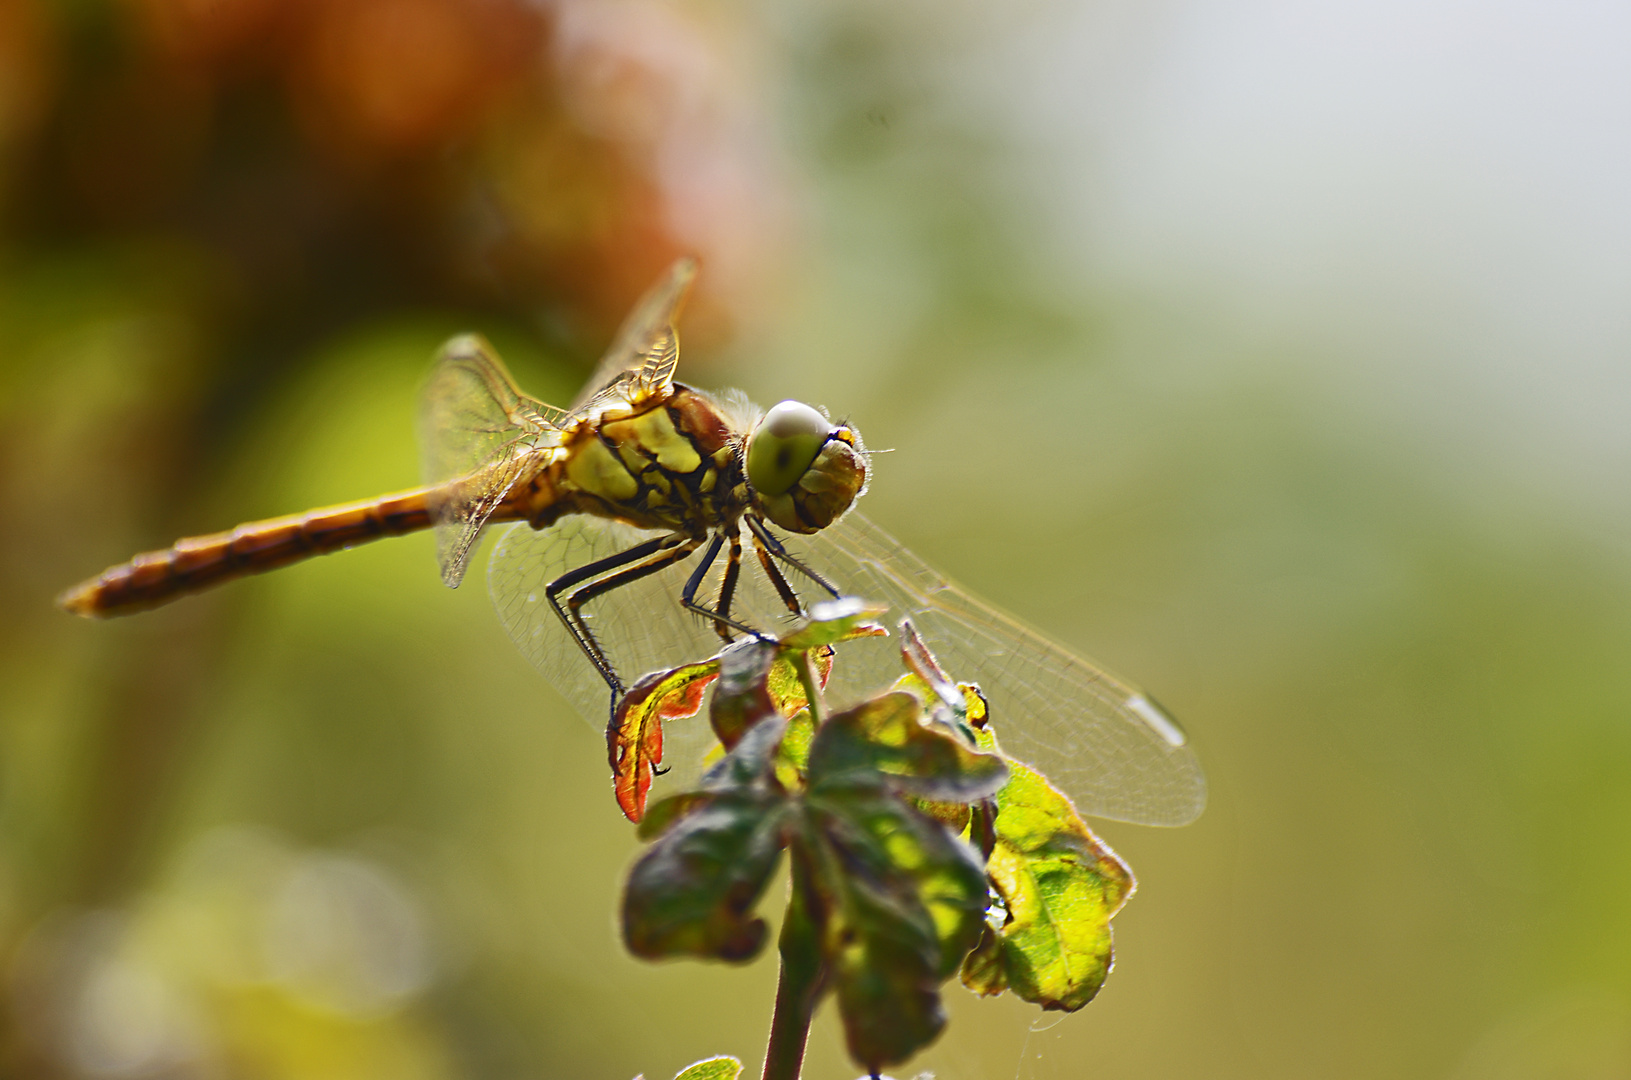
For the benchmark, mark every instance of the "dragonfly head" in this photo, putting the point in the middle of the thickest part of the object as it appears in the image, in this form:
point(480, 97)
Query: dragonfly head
point(804, 470)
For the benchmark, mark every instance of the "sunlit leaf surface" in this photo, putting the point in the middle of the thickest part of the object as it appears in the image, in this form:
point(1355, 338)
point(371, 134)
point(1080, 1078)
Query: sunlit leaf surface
point(635, 736)
point(1059, 886)
point(887, 736)
point(715, 1068)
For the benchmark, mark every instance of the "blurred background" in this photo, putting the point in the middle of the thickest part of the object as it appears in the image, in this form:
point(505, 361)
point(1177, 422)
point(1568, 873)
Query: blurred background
point(1273, 353)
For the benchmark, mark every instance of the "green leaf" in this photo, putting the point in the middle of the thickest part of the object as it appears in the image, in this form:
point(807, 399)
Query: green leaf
point(793, 756)
point(887, 899)
point(752, 760)
point(787, 691)
point(899, 901)
point(886, 735)
point(714, 1068)
point(665, 812)
point(692, 892)
point(1059, 886)
point(833, 621)
point(761, 679)
point(785, 686)
point(634, 738)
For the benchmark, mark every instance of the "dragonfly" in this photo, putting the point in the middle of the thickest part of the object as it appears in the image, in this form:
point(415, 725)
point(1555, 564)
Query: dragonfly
point(649, 523)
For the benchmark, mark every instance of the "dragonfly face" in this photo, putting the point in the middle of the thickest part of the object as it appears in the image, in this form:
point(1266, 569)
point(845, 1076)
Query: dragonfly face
point(632, 512)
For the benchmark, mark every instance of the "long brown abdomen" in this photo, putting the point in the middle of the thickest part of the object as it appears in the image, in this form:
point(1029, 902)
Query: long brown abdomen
point(201, 561)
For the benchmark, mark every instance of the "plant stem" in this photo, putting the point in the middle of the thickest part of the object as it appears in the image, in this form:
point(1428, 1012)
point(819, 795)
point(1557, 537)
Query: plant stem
point(812, 687)
point(784, 1054)
point(803, 976)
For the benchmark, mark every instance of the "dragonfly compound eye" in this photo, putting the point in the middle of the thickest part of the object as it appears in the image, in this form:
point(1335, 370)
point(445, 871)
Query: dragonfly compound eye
point(804, 471)
point(784, 445)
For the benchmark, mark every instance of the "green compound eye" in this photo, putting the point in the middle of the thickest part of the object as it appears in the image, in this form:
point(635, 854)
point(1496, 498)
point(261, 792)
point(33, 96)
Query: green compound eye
point(784, 444)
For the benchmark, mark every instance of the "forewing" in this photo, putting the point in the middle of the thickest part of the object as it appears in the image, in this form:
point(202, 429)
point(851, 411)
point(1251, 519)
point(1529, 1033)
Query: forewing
point(1097, 738)
point(1100, 740)
point(478, 435)
point(640, 363)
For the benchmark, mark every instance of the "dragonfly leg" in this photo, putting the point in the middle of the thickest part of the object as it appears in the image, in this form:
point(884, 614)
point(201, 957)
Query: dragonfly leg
point(588, 592)
point(733, 569)
point(571, 581)
point(720, 616)
point(777, 578)
point(694, 582)
point(768, 542)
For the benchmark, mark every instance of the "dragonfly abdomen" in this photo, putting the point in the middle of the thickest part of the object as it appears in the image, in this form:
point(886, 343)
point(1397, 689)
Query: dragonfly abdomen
point(198, 562)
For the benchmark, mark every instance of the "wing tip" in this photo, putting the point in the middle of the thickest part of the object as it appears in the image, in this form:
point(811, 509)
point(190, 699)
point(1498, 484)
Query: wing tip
point(466, 344)
point(1159, 720)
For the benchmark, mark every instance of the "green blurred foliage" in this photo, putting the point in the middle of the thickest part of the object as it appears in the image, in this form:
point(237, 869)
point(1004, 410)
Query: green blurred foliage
point(231, 236)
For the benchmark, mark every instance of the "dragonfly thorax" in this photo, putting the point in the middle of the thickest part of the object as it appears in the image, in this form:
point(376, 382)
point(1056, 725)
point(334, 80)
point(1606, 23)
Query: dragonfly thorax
point(675, 465)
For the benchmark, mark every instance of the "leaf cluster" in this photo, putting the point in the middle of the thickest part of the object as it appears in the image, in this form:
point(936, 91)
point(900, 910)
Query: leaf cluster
point(917, 850)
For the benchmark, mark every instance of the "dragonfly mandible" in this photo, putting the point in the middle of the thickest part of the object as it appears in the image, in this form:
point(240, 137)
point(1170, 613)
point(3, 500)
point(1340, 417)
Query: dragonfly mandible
point(651, 522)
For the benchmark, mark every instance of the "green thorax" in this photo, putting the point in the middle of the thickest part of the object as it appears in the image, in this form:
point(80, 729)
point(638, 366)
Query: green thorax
point(671, 465)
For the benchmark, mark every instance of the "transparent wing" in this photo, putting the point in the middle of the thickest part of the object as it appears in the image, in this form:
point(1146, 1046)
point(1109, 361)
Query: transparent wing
point(1101, 740)
point(478, 434)
point(642, 358)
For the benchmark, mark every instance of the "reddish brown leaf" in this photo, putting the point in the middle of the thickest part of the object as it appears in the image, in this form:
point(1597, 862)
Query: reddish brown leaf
point(634, 738)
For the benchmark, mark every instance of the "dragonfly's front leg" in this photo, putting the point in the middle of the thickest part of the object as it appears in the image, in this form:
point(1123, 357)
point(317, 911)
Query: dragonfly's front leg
point(579, 587)
point(769, 550)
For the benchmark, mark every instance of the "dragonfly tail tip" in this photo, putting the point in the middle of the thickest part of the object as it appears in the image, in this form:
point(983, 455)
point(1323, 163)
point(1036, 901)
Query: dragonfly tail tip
point(80, 600)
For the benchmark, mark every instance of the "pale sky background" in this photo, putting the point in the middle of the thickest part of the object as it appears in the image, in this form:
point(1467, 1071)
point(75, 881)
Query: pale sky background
point(1428, 200)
